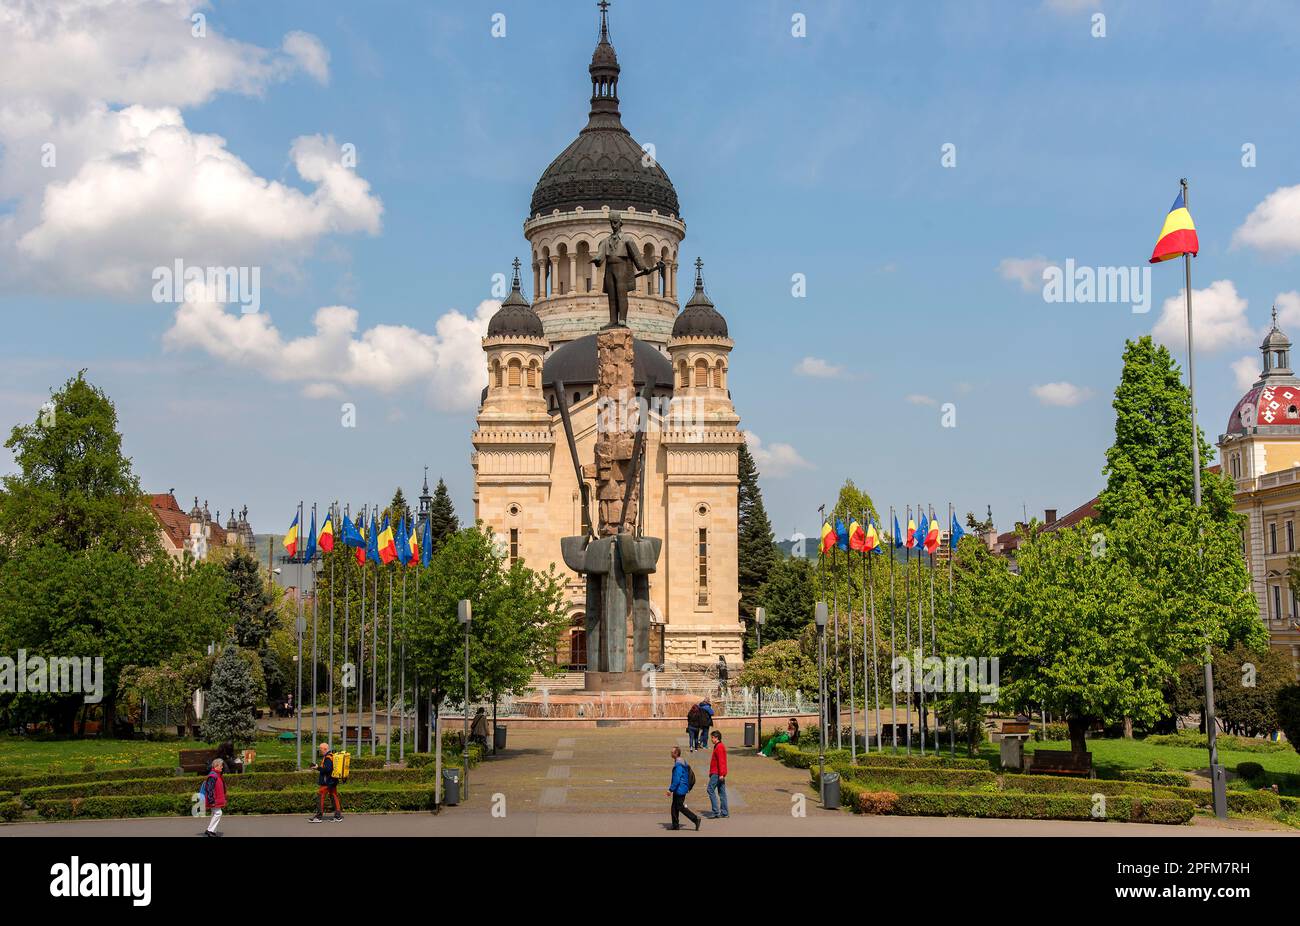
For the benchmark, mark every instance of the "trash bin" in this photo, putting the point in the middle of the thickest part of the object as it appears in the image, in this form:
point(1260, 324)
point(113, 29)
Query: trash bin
point(750, 734)
point(498, 737)
point(451, 787)
point(1012, 752)
point(831, 790)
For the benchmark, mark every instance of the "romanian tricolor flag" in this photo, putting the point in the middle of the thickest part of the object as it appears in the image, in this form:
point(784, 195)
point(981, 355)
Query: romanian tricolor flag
point(1178, 236)
point(872, 539)
point(291, 538)
point(415, 550)
point(829, 537)
point(910, 542)
point(326, 539)
point(857, 536)
point(931, 536)
point(387, 544)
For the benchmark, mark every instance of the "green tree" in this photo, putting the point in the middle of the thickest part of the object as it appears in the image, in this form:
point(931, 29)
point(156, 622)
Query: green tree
point(783, 665)
point(398, 508)
point(1288, 714)
point(443, 522)
point(851, 503)
point(756, 546)
point(789, 595)
point(74, 488)
point(250, 602)
point(1247, 683)
point(231, 699)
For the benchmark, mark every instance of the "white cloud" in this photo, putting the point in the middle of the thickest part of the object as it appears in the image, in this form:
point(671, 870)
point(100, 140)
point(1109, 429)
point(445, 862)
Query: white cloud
point(1288, 310)
point(917, 399)
point(1273, 225)
point(1219, 319)
point(818, 368)
point(1245, 371)
point(1061, 394)
point(1027, 271)
point(113, 183)
point(777, 460)
point(446, 367)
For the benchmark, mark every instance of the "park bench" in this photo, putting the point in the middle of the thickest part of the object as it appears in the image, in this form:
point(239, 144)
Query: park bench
point(1060, 762)
point(358, 734)
point(1015, 728)
point(197, 760)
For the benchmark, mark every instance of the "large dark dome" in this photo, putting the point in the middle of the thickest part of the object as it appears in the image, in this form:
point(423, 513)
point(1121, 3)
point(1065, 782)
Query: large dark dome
point(603, 165)
point(575, 364)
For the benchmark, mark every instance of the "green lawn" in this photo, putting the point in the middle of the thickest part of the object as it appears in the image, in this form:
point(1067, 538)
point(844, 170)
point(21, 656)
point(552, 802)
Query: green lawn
point(1111, 755)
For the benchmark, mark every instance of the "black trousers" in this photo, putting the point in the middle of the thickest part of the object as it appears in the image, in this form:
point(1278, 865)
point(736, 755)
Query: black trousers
point(679, 806)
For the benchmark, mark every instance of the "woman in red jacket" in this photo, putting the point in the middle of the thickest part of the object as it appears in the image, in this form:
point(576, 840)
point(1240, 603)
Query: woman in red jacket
point(718, 776)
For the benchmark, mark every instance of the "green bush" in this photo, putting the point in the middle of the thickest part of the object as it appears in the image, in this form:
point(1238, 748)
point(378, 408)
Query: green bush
point(256, 802)
point(235, 784)
point(1197, 740)
point(1042, 807)
point(1052, 784)
point(11, 810)
point(1250, 770)
point(21, 783)
point(1176, 779)
point(795, 757)
point(877, 778)
point(1055, 732)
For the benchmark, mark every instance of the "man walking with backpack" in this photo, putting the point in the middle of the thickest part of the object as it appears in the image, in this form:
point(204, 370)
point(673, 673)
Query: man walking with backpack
point(327, 783)
point(682, 781)
point(718, 776)
point(214, 795)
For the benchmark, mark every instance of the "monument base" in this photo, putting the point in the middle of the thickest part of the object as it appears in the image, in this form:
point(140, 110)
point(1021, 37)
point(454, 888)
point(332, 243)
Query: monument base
point(613, 681)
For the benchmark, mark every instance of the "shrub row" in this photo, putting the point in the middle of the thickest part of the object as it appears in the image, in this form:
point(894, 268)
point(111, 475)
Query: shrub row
point(1175, 779)
point(1249, 770)
point(1023, 806)
point(1225, 740)
point(1247, 802)
point(795, 757)
point(1051, 784)
point(266, 781)
point(11, 810)
point(877, 777)
point(256, 802)
point(22, 782)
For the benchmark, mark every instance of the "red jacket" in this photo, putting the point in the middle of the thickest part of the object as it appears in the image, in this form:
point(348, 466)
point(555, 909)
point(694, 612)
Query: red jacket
point(718, 761)
point(218, 789)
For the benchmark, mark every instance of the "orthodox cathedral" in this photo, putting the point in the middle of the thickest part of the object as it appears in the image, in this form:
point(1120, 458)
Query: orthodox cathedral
point(525, 482)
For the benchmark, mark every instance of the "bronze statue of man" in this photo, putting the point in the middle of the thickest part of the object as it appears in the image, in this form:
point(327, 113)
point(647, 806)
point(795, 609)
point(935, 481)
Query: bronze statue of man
point(622, 267)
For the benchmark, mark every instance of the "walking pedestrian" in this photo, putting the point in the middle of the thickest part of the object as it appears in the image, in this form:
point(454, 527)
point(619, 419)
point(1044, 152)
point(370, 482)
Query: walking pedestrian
point(682, 781)
point(718, 776)
point(327, 784)
point(706, 721)
point(694, 722)
point(214, 795)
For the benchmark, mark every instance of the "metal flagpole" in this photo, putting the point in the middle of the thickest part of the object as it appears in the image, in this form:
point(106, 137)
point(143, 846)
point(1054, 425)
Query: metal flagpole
point(848, 611)
point(1217, 781)
point(835, 578)
point(401, 678)
point(334, 521)
point(866, 684)
point(347, 612)
point(934, 642)
point(952, 554)
point(893, 691)
point(907, 620)
point(821, 587)
point(415, 723)
point(922, 717)
point(361, 636)
point(875, 655)
point(314, 656)
point(388, 678)
point(374, 657)
point(298, 628)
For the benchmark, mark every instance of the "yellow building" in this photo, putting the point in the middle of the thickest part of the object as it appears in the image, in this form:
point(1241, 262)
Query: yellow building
point(525, 484)
point(1261, 452)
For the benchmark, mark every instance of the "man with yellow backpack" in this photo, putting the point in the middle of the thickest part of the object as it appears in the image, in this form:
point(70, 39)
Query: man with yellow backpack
point(330, 771)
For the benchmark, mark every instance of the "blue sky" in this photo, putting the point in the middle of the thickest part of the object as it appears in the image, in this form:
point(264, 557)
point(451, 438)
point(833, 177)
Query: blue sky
point(818, 155)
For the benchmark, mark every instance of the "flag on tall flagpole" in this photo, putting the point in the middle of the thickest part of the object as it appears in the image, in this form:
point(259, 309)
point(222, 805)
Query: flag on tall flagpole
point(898, 533)
point(414, 543)
point(829, 538)
point(957, 534)
point(871, 542)
point(291, 538)
point(387, 543)
point(426, 546)
point(857, 536)
point(841, 535)
point(403, 542)
point(931, 536)
point(372, 542)
point(1178, 235)
point(326, 538)
point(311, 536)
point(910, 542)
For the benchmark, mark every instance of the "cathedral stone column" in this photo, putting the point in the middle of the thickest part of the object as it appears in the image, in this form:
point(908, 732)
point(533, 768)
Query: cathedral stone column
point(573, 272)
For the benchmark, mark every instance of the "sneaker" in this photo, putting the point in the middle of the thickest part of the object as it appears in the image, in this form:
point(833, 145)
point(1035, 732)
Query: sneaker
point(318, 819)
point(697, 824)
point(338, 818)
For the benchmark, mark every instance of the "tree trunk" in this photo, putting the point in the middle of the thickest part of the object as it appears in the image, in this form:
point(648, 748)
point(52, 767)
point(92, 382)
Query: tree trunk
point(494, 723)
point(422, 724)
point(1078, 734)
point(108, 719)
point(1128, 728)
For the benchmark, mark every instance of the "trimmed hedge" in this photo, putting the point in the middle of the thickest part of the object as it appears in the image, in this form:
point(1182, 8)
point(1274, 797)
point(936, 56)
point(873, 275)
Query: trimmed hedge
point(795, 757)
point(1175, 779)
point(22, 782)
point(256, 802)
point(11, 810)
point(1041, 807)
point(1249, 770)
point(877, 777)
point(1051, 784)
point(240, 784)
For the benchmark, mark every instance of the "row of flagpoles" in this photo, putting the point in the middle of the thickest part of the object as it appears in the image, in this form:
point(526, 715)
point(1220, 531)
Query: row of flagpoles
point(381, 544)
point(923, 537)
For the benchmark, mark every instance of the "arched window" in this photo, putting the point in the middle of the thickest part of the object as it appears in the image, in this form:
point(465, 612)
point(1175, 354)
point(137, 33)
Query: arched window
point(513, 373)
point(717, 375)
point(683, 378)
point(532, 375)
point(701, 373)
point(496, 373)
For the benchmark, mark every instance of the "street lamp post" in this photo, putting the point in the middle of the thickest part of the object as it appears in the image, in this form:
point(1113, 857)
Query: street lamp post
point(821, 614)
point(760, 618)
point(464, 613)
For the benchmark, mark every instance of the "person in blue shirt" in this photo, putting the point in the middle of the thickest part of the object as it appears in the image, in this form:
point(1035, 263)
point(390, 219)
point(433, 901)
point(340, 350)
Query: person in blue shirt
point(677, 788)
